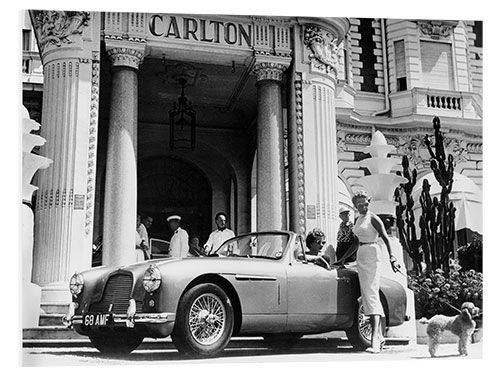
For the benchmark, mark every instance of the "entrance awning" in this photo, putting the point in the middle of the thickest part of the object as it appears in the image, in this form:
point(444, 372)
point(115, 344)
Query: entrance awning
point(466, 196)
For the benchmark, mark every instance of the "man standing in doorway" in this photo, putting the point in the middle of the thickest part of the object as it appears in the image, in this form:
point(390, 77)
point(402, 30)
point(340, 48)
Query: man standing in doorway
point(179, 243)
point(146, 222)
point(220, 235)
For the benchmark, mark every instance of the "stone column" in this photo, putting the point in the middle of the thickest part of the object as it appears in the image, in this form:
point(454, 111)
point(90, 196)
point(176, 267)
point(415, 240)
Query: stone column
point(312, 129)
point(120, 195)
point(69, 44)
point(320, 158)
point(271, 208)
point(31, 163)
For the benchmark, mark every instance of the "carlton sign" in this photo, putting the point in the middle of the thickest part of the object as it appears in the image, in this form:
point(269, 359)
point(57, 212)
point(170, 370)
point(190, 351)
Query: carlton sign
point(200, 30)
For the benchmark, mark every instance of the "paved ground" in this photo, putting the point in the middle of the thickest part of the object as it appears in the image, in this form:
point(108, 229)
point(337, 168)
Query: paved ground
point(335, 351)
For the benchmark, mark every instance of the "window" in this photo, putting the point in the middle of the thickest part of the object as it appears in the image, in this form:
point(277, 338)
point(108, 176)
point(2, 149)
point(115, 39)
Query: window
point(26, 40)
point(478, 30)
point(437, 65)
point(399, 53)
point(346, 66)
point(367, 55)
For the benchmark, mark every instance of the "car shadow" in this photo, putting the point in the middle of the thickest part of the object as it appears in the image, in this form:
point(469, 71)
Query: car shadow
point(439, 356)
point(168, 353)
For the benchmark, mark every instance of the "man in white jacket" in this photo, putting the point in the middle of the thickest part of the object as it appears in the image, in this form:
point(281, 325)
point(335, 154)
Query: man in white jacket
point(218, 236)
point(179, 243)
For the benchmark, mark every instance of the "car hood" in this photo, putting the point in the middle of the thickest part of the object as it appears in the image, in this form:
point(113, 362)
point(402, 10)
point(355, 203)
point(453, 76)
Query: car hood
point(187, 267)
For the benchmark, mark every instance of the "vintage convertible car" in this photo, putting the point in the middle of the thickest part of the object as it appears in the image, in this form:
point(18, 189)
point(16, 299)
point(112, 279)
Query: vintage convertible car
point(258, 284)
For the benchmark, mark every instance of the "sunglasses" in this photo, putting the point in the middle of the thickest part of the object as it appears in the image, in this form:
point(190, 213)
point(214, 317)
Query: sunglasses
point(319, 242)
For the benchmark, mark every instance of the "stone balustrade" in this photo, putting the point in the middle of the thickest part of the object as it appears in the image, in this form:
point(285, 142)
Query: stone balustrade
point(433, 102)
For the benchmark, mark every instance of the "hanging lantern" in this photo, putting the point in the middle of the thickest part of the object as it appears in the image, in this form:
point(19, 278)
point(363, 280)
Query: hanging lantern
point(182, 121)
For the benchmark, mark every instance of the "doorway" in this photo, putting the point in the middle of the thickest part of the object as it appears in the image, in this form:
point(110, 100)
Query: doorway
point(169, 186)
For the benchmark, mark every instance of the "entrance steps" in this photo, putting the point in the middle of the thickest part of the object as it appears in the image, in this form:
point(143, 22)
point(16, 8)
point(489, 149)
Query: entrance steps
point(60, 308)
point(50, 327)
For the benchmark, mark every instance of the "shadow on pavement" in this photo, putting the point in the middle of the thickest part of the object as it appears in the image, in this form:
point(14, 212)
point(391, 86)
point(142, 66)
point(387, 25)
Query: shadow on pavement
point(439, 356)
point(169, 354)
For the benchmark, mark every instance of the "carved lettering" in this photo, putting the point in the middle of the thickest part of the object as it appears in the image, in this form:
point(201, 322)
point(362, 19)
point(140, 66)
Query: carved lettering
point(245, 34)
point(188, 30)
point(217, 25)
point(152, 24)
point(203, 30)
point(173, 24)
point(200, 30)
point(230, 33)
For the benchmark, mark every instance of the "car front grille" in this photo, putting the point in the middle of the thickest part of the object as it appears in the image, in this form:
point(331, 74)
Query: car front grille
point(117, 295)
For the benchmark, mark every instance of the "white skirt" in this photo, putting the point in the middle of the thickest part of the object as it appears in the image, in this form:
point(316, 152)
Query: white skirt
point(369, 265)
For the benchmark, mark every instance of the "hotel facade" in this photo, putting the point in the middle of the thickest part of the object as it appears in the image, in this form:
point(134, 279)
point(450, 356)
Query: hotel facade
point(280, 112)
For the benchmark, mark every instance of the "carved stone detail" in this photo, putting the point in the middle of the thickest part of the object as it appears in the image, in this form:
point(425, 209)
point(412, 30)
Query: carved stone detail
point(55, 27)
point(475, 148)
point(341, 143)
point(436, 29)
point(414, 147)
point(358, 139)
point(269, 70)
point(301, 197)
point(92, 154)
point(457, 148)
point(122, 56)
point(325, 54)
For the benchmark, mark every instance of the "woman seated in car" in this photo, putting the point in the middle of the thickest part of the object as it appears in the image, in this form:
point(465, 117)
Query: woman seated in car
point(315, 240)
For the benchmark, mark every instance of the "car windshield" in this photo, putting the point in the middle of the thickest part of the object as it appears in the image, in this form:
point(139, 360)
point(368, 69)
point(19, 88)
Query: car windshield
point(255, 245)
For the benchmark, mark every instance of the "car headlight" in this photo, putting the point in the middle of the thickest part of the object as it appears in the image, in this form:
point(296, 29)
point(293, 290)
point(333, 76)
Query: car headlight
point(76, 284)
point(152, 278)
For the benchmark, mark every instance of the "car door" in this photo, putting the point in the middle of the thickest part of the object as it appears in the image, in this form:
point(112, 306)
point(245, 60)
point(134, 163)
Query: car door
point(311, 293)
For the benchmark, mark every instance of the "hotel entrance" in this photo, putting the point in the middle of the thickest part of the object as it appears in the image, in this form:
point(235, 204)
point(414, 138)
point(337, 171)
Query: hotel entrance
point(168, 186)
point(202, 166)
point(261, 146)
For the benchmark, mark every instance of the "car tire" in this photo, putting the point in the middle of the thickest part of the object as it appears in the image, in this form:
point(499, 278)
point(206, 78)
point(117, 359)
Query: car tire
point(204, 322)
point(359, 334)
point(116, 344)
point(281, 340)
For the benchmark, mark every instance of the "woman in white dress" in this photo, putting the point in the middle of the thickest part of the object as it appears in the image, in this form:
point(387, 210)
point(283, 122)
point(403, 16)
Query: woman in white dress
point(368, 227)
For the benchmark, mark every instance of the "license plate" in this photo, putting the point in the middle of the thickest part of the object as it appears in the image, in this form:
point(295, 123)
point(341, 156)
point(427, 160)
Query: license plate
point(93, 320)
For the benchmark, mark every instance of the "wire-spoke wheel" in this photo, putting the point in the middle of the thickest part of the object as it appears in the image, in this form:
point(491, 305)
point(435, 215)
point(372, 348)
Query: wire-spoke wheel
point(204, 321)
point(207, 317)
point(360, 333)
point(364, 325)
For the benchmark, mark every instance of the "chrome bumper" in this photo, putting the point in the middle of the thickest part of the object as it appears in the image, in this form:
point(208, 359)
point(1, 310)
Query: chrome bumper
point(129, 319)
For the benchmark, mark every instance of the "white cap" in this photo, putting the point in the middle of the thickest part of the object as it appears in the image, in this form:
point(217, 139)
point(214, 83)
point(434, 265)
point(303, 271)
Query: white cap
point(173, 217)
point(343, 209)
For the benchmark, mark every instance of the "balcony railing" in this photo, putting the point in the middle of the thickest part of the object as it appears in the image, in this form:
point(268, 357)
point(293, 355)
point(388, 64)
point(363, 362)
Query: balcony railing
point(424, 101)
point(444, 102)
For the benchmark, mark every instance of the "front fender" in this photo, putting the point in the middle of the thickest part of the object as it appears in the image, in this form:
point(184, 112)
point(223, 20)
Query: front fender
point(393, 298)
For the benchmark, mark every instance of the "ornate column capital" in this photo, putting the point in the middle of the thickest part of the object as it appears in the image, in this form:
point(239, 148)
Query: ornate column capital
point(270, 68)
point(324, 48)
point(56, 27)
point(125, 57)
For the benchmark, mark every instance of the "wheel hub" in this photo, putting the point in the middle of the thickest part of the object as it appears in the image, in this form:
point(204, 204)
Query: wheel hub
point(207, 319)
